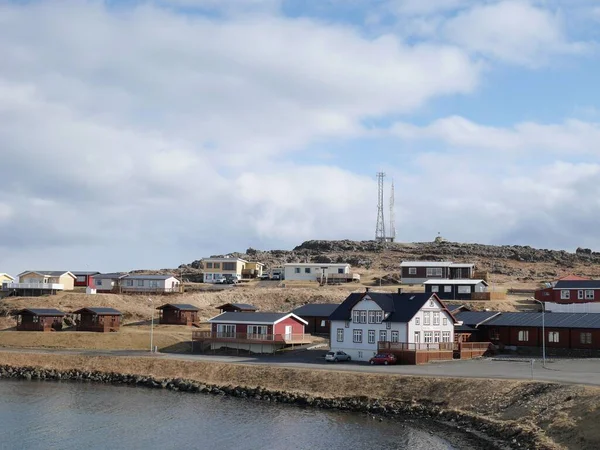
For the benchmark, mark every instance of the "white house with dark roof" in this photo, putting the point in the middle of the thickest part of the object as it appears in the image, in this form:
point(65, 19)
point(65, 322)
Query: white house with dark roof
point(318, 272)
point(417, 272)
point(108, 282)
point(150, 283)
point(365, 319)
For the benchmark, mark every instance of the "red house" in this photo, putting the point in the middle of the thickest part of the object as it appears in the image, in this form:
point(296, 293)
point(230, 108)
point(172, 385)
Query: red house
point(257, 332)
point(39, 319)
point(84, 278)
point(571, 291)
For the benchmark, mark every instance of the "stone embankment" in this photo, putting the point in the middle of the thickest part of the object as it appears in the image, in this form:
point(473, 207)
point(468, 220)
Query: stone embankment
point(493, 434)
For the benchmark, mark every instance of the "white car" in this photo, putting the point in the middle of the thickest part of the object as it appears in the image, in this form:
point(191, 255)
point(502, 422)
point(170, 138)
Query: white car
point(337, 356)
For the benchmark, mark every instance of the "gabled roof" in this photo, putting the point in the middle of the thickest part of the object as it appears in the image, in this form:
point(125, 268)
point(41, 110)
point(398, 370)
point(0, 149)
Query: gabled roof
point(240, 306)
point(572, 278)
point(454, 309)
point(99, 311)
point(80, 273)
point(577, 284)
point(48, 273)
point(259, 318)
point(475, 318)
point(223, 260)
point(551, 320)
point(316, 264)
point(6, 275)
point(41, 312)
point(400, 307)
point(316, 310)
point(425, 264)
point(110, 276)
point(135, 276)
point(180, 306)
point(468, 281)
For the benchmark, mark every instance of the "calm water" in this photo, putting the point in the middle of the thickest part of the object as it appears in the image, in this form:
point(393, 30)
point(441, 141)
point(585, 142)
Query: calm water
point(53, 415)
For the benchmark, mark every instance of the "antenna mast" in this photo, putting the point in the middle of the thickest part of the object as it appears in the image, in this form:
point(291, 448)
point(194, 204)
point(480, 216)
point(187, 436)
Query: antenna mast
point(380, 229)
point(392, 235)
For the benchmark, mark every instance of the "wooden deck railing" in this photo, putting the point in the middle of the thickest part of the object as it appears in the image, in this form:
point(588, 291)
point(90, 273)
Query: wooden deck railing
point(250, 337)
point(405, 346)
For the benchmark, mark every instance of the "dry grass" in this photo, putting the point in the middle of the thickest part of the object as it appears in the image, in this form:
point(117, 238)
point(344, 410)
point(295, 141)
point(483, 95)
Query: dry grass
point(568, 414)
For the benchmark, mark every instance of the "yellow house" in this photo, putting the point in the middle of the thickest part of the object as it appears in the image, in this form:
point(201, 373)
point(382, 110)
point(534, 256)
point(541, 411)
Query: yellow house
point(215, 269)
point(5, 278)
point(253, 270)
point(48, 277)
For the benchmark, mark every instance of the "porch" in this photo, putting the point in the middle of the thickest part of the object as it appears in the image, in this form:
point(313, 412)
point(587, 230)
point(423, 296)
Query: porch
point(251, 342)
point(437, 351)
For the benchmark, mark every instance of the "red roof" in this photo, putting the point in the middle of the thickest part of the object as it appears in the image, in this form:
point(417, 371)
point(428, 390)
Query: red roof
point(573, 278)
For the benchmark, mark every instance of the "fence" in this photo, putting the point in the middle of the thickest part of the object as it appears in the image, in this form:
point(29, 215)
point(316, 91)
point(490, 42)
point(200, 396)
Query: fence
point(488, 295)
point(249, 337)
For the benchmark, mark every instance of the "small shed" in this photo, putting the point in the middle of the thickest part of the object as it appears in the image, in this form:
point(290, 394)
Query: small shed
point(455, 289)
point(39, 319)
point(317, 316)
point(101, 320)
point(236, 307)
point(178, 314)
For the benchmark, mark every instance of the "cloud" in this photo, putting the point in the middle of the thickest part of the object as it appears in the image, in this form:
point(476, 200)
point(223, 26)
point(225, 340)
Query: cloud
point(512, 31)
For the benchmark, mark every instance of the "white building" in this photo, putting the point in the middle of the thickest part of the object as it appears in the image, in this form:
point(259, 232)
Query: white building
point(315, 271)
point(365, 318)
point(149, 283)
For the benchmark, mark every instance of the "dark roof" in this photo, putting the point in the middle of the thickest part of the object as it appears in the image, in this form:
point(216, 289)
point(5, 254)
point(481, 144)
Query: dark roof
point(454, 309)
point(316, 310)
point(240, 306)
point(577, 284)
point(402, 307)
point(180, 306)
point(464, 329)
point(258, 317)
point(474, 318)
point(99, 311)
point(78, 273)
point(112, 275)
point(41, 311)
point(50, 273)
point(551, 319)
point(141, 276)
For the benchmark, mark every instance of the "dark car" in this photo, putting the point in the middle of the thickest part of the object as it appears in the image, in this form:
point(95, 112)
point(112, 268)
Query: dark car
point(383, 358)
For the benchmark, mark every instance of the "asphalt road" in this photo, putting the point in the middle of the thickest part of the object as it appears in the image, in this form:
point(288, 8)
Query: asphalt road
point(572, 371)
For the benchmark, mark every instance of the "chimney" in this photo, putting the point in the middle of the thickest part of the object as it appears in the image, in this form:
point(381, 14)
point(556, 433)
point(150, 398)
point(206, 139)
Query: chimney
point(399, 290)
point(367, 289)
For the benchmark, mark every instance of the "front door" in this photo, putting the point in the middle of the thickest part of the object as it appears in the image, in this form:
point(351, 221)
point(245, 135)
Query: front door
point(288, 332)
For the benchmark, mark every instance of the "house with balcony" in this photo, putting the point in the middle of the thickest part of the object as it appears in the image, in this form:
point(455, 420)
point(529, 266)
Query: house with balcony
point(33, 283)
point(254, 332)
point(416, 327)
point(149, 284)
point(6, 278)
point(321, 272)
point(418, 272)
point(570, 291)
point(215, 269)
point(84, 279)
point(253, 270)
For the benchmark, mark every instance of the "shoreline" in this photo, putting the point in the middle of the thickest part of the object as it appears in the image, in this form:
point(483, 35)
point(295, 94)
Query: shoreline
point(506, 413)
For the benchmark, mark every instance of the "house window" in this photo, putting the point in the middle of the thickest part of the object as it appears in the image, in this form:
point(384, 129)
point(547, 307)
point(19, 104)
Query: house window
point(307, 270)
point(357, 336)
point(140, 283)
point(435, 289)
point(580, 295)
point(427, 337)
point(129, 282)
point(153, 283)
point(436, 318)
point(81, 278)
point(382, 336)
point(431, 304)
point(434, 272)
point(217, 265)
point(378, 316)
point(356, 316)
point(228, 266)
point(209, 265)
point(445, 321)
point(445, 336)
point(436, 336)
point(565, 294)
point(553, 336)
point(589, 295)
point(394, 336)
point(464, 289)
point(417, 321)
point(347, 324)
point(340, 335)
point(412, 270)
point(585, 338)
point(371, 316)
point(523, 336)
point(495, 334)
point(388, 325)
point(225, 330)
point(363, 317)
point(426, 318)
point(323, 323)
point(297, 270)
point(340, 270)
point(98, 282)
point(417, 337)
point(371, 336)
point(259, 331)
point(447, 289)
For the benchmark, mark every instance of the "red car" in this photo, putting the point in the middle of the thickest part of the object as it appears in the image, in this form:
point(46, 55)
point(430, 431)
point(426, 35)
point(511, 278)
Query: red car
point(383, 358)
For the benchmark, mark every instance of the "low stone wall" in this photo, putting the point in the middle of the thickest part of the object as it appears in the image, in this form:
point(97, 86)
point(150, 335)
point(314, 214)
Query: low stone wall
point(492, 434)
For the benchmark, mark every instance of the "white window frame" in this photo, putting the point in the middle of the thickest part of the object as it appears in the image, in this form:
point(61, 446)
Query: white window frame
point(428, 337)
point(523, 336)
point(153, 283)
point(426, 318)
point(464, 289)
point(447, 289)
point(356, 316)
point(357, 336)
point(140, 283)
point(417, 320)
point(395, 336)
point(436, 337)
point(417, 337)
point(371, 336)
point(383, 334)
point(565, 294)
point(128, 282)
point(371, 316)
point(378, 316)
point(445, 336)
point(436, 318)
point(434, 272)
point(585, 337)
point(363, 316)
point(589, 294)
point(226, 330)
point(553, 336)
point(412, 270)
point(435, 289)
point(580, 294)
point(340, 335)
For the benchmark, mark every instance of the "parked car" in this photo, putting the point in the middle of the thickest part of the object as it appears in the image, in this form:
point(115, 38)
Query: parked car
point(231, 280)
point(265, 277)
point(383, 358)
point(337, 356)
point(276, 277)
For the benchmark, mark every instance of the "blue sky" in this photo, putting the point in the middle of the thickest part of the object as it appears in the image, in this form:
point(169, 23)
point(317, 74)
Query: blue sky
point(145, 134)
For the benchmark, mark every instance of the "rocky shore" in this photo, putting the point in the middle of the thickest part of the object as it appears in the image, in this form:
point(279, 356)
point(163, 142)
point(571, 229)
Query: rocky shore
point(495, 434)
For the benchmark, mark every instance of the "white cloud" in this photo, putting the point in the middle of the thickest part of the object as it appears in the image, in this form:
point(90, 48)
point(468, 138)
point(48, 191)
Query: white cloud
point(512, 31)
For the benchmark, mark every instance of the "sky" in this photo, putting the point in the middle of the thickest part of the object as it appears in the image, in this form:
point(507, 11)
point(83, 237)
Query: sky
point(146, 134)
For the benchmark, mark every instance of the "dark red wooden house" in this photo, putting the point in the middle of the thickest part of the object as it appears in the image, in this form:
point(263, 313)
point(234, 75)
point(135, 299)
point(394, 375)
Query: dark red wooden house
point(317, 316)
point(178, 314)
point(101, 320)
point(39, 319)
point(84, 279)
point(236, 307)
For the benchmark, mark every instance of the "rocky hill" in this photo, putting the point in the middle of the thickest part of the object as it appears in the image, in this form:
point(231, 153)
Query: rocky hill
point(520, 262)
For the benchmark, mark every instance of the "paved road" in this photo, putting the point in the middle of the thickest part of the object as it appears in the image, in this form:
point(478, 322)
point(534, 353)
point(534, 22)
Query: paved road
point(574, 371)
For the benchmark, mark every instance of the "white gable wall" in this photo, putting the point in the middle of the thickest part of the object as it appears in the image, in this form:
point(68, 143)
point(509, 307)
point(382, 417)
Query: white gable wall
point(417, 323)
